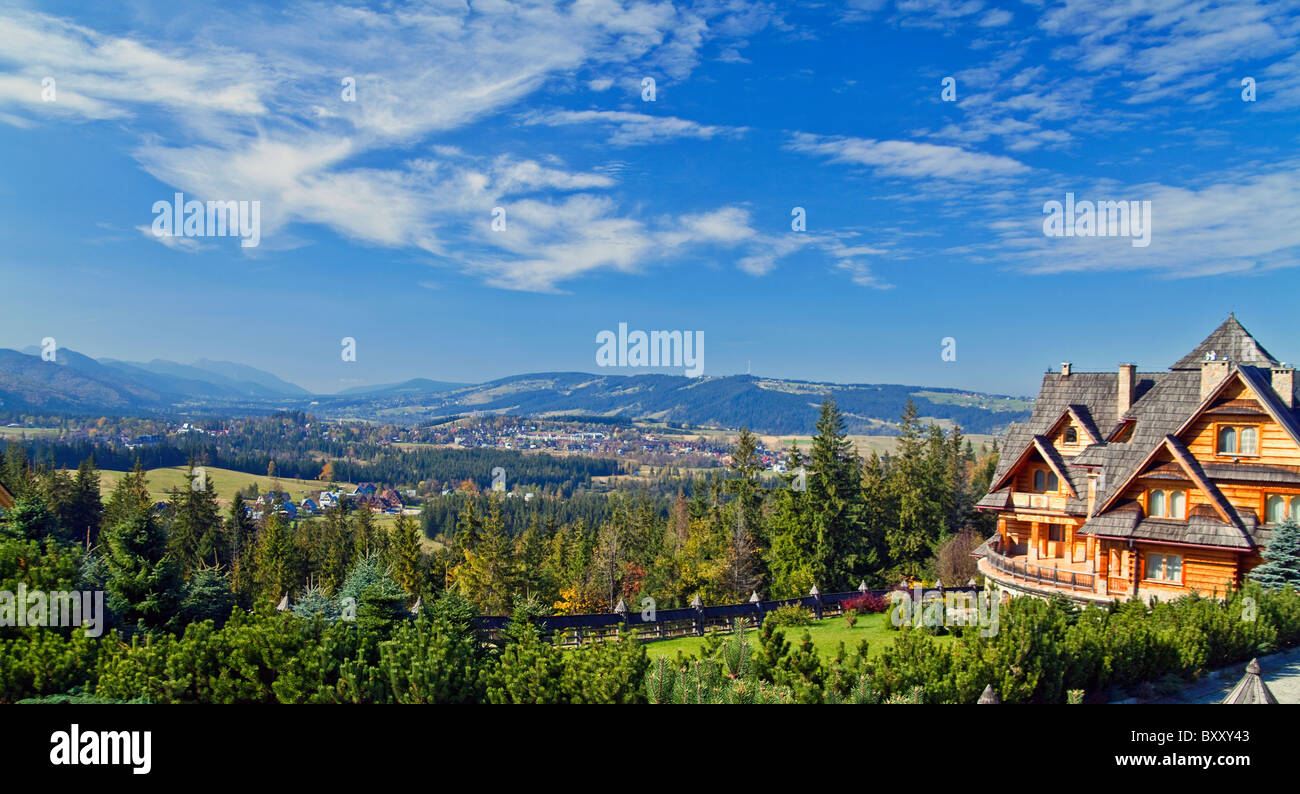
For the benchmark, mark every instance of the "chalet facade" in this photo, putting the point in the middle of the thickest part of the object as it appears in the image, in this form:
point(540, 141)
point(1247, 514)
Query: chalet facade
point(1148, 484)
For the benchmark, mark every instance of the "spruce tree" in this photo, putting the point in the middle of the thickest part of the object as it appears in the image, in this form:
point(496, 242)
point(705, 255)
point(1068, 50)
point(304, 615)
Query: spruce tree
point(143, 583)
point(130, 496)
point(85, 505)
point(486, 574)
point(838, 553)
point(407, 562)
point(1282, 558)
point(276, 566)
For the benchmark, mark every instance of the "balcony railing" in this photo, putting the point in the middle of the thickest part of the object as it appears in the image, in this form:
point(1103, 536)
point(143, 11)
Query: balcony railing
point(1037, 501)
point(1031, 572)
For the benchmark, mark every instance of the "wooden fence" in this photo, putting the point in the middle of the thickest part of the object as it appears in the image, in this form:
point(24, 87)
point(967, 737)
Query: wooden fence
point(690, 621)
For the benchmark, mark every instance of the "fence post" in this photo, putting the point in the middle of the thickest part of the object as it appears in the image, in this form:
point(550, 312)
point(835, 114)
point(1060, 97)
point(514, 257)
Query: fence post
point(817, 601)
point(698, 606)
point(620, 609)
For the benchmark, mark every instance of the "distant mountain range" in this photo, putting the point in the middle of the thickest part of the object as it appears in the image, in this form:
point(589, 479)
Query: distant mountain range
point(79, 384)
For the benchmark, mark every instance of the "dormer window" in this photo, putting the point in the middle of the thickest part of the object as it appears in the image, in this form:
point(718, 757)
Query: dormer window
point(1237, 440)
point(1046, 481)
point(1167, 504)
point(1071, 435)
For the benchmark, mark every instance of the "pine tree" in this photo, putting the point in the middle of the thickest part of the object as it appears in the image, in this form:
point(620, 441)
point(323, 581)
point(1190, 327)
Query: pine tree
point(143, 583)
point(486, 575)
point(1282, 558)
point(276, 566)
point(16, 474)
point(241, 538)
point(530, 551)
point(196, 536)
point(407, 562)
point(130, 496)
point(85, 505)
point(743, 573)
point(838, 553)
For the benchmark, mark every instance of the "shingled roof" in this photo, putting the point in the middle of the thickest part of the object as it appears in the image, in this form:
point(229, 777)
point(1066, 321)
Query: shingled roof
point(1163, 404)
point(1230, 341)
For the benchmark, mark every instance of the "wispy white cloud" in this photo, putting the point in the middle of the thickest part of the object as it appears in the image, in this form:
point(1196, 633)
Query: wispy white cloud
point(908, 158)
point(631, 129)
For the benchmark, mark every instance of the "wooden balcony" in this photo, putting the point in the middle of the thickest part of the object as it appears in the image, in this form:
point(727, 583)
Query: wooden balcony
point(1038, 501)
point(1044, 574)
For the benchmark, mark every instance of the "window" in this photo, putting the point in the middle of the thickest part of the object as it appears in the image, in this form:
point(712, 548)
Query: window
point(1249, 437)
point(1156, 504)
point(1164, 568)
point(1227, 440)
point(1167, 504)
point(1237, 440)
point(1046, 481)
point(1275, 509)
point(1071, 435)
point(1280, 507)
point(1177, 504)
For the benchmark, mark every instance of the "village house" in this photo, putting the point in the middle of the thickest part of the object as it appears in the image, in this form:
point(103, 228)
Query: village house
point(1147, 484)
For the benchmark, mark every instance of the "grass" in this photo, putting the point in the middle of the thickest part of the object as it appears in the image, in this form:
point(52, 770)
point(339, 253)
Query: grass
point(224, 481)
point(27, 433)
point(826, 635)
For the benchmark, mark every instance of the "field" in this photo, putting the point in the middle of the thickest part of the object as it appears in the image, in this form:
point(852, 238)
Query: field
point(27, 433)
point(225, 481)
point(826, 635)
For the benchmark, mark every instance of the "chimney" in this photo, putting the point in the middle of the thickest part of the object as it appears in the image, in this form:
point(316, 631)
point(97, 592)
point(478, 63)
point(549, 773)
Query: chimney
point(1213, 371)
point(1124, 392)
point(1065, 369)
point(1284, 384)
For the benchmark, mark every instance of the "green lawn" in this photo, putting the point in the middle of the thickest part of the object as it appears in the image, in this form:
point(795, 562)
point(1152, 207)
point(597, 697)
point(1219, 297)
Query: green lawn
point(826, 635)
point(224, 481)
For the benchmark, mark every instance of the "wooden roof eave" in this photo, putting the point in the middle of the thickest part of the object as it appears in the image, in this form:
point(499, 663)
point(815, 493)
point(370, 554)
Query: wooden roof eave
point(1035, 444)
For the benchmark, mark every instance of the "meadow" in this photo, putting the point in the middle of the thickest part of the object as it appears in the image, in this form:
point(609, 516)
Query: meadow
point(826, 635)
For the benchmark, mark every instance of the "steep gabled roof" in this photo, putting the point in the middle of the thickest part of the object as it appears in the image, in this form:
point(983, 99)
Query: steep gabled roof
point(1048, 453)
point(1228, 341)
point(6, 499)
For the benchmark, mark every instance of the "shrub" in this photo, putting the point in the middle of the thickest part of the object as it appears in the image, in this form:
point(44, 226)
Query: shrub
point(867, 604)
point(790, 615)
point(851, 618)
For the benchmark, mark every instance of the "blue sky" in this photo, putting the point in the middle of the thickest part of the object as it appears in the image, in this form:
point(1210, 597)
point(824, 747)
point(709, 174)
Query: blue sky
point(924, 217)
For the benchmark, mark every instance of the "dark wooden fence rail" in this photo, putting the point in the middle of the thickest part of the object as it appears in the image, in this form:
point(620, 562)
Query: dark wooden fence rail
point(691, 621)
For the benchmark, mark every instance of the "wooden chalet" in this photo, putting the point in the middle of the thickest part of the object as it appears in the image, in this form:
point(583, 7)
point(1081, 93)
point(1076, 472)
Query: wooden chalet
point(1148, 484)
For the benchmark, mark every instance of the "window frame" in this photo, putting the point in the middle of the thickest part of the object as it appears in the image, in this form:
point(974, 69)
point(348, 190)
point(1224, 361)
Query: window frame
point(1162, 579)
point(1048, 475)
point(1237, 429)
point(1290, 498)
point(1167, 494)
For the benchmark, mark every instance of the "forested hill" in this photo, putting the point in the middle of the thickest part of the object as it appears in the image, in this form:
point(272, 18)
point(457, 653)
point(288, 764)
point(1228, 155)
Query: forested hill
point(763, 404)
point(81, 385)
